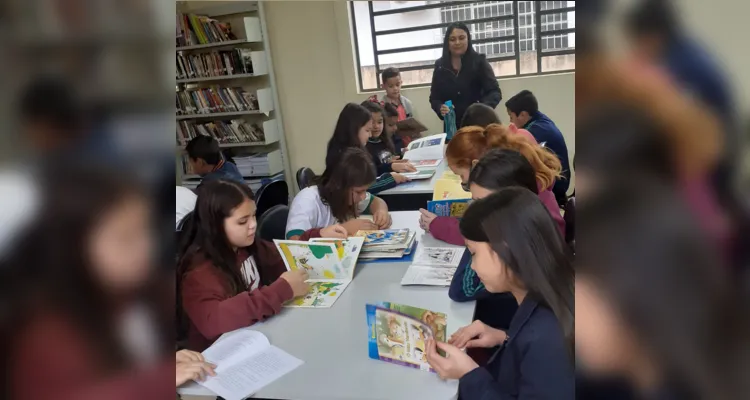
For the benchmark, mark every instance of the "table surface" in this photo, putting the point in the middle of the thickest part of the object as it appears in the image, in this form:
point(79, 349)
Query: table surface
point(421, 186)
point(333, 341)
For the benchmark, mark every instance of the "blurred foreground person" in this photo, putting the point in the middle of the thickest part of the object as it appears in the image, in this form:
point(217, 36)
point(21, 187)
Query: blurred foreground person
point(90, 320)
point(652, 304)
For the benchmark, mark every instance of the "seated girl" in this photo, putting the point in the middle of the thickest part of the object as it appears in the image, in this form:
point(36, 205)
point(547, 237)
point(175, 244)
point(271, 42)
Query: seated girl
point(465, 150)
point(514, 241)
point(353, 129)
point(340, 197)
point(228, 278)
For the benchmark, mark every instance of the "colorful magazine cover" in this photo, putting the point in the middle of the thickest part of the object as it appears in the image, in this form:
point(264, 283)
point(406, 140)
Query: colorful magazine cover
point(385, 237)
point(448, 189)
point(448, 208)
point(398, 333)
point(330, 264)
point(425, 163)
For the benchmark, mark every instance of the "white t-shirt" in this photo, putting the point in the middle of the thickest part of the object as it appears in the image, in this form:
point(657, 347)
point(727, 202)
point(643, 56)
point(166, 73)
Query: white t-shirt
point(308, 211)
point(185, 203)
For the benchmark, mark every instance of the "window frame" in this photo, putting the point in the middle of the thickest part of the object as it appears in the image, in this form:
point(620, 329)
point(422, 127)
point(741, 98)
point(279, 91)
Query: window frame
point(537, 29)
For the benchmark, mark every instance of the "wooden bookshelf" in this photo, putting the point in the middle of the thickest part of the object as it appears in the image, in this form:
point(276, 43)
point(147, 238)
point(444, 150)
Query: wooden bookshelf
point(219, 115)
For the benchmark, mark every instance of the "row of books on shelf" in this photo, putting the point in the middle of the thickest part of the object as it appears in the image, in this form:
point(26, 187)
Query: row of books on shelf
point(215, 63)
point(199, 29)
point(215, 100)
point(225, 132)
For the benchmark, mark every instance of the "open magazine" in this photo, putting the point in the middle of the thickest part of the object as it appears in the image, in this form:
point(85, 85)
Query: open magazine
point(398, 333)
point(245, 362)
point(433, 266)
point(330, 263)
point(449, 189)
point(427, 148)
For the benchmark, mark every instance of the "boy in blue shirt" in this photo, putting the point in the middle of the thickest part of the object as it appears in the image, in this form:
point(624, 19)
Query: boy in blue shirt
point(523, 110)
point(206, 160)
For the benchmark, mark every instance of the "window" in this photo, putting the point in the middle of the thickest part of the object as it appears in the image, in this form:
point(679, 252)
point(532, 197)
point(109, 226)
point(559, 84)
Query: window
point(409, 36)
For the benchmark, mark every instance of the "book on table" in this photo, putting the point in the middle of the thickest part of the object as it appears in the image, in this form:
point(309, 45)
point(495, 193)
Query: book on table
point(433, 266)
point(388, 243)
point(330, 264)
point(245, 362)
point(426, 148)
point(398, 333)
point(425, 173)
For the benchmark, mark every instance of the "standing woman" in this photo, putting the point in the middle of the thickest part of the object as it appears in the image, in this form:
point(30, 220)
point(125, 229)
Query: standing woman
point(462, 75)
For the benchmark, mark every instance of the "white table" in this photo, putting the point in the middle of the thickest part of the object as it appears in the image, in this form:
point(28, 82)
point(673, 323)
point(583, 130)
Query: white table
point(422, 186)
point(333, 342)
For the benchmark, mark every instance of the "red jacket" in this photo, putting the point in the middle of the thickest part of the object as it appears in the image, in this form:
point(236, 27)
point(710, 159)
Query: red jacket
point(211, 309)
point(52, 359)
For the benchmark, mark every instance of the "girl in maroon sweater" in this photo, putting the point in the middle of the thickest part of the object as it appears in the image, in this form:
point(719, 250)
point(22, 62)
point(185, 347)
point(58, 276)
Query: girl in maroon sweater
point(228, 278)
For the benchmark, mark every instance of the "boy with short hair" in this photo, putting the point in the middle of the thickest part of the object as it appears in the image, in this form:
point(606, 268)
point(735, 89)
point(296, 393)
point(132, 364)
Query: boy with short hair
point(523, 110)
point(391, 78)
point(206, 160)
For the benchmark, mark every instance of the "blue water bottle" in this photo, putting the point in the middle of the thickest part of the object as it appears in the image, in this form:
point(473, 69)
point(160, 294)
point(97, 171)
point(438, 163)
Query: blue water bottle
point(450, 121)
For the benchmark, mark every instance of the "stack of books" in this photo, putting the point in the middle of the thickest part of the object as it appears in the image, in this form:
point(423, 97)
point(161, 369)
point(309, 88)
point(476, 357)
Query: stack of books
point(254, 165)
point(389, 243)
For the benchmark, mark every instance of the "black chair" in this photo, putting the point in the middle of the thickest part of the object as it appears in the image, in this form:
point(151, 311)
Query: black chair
point(271, 194)
point(570, 221)
point(272, 225)
point(305, 177)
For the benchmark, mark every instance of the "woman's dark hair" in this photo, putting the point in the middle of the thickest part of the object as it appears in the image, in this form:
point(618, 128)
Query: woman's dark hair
point(355, 169)
point(203, 234)
point(375, 107)
point(501, 168)
point(470, 52)
point(652, 261)
point(351, 119)
point(479, 114)
point(55, 253)
point(521, 231)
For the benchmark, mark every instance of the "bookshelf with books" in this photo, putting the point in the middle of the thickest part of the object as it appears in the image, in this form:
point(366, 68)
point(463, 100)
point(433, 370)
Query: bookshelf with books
point(225, 88)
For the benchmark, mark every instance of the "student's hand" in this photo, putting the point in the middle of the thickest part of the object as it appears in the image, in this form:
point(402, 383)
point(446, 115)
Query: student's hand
point(396, 159)
point(454, 365)
point(334, 231)
point(355, 225)
point(193, 370)
point(382, 218)
point(296, 279)
point(403, 167)
point(188, 356)
point(477, 334)
point(425, 219)
point(444, 110)
point(399, 178)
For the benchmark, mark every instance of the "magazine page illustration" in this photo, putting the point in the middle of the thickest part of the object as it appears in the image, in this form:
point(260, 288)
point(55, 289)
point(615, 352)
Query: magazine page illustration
point(384, 237)
point(399, 333)
point(448, 208)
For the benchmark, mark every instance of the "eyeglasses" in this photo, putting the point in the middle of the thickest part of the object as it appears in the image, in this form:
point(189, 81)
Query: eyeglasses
point(465, 186)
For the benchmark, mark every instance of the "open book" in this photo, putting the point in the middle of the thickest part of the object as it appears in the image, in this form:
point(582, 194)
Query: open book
point(433, 266)
point(427, 148)
point(398, 333)
point(330, 264)
point(245, 362)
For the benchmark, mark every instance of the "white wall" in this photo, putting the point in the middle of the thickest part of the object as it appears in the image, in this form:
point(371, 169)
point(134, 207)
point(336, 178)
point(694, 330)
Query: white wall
point(315, 73)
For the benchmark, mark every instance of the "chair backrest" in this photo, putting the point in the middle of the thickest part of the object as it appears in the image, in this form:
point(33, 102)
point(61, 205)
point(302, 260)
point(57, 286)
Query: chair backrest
point(570, 220)
point(271, 194)
point(272, 225)
point(305, 177)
